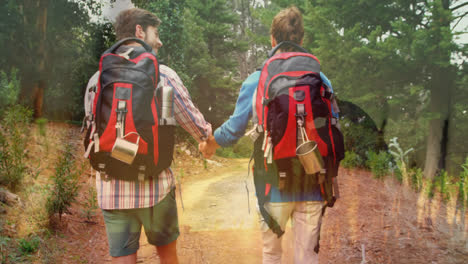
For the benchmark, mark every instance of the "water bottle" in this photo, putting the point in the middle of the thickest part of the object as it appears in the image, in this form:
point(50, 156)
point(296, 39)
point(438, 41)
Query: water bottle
point(167, 114)
point(167, 102)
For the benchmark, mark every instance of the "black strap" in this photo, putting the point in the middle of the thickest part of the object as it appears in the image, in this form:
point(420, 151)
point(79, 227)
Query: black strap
point(122, 41)
point(272, 224)
point(273, 51)
point(317, 247)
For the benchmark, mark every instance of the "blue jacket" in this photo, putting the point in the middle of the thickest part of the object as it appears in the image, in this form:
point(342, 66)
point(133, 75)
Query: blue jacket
point(234, 128)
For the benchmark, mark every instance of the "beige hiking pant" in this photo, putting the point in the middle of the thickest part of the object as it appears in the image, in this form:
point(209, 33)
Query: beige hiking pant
point(306, 221)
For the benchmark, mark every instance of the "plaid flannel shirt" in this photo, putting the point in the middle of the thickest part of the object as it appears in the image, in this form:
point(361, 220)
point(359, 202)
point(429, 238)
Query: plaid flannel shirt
point(118, 194)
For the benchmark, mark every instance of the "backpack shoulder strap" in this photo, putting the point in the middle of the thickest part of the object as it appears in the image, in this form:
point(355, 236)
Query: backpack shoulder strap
point(284, 43)
point(123, 41)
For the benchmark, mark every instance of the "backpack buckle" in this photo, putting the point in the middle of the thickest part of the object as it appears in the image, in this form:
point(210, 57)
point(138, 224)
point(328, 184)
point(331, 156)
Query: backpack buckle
point(300, 111)
point(266, 101)
point(253, 133)
point(259, 128)
point(334, 121)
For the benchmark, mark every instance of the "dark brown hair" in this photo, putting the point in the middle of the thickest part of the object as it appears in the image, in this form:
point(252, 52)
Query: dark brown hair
point(126, 22)
point(287, 25)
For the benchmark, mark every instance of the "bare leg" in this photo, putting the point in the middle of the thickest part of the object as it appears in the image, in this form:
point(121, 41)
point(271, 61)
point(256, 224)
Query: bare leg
point(168, 253)
point(129, 259)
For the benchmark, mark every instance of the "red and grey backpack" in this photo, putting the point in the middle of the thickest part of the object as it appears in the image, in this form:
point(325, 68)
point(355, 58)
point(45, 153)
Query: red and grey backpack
point(291, 99)
point(128, 138)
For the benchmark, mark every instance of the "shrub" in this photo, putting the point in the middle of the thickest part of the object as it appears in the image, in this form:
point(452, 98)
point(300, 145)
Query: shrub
point(444, 184)
point(441, 182)
point(401, 158)
point(64, 189)
point(14, 134)
point(42, 123)
point(416, 177)
point(462, 186)
point(28, 246)
point(4, 242)
point(9, 88)
point(379, 163)
point(227, 152)
point(351, 160)
point(358, 138)
point(90, 205)
point(242, 149)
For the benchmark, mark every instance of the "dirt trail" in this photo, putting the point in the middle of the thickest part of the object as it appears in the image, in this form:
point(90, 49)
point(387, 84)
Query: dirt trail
point(372, 215)
point(375, 221)
point(215, 224)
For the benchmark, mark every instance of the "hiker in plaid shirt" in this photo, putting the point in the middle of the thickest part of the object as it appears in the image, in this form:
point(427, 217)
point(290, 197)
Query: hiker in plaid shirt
point(127, 205)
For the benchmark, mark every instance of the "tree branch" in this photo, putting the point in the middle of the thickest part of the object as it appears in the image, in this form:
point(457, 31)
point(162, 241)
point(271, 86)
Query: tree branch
point(458, 6)
point(462, 15)
point(459, 19)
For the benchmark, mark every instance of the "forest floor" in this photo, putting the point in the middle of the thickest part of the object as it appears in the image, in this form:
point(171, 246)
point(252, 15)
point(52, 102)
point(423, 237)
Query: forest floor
point(374, 221)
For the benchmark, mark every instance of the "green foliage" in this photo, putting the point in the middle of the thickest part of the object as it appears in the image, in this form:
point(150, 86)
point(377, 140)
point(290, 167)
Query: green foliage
point(401, 158)
point(462, 184)
point(171, 31)
point(9, 88)
point(406, 78)
point(416, 177)
point(64, 189)
point(64, 98)
point(14, 135)
point(431, 186)
point(42, 125)
point(379, 163)
point(358, 138)
point(352, 160)
point(242, 149)
point(397, 152)
point(210, 57)
point(57, 52)
point(30, 245)
point(4, 242)
point(91, 205)
point(208, 64)
point(442, 182)
point(457, 149)
point(227, 152)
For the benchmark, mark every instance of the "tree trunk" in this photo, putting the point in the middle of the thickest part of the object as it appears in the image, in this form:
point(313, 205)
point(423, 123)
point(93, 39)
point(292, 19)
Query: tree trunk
point(41, 84)
point(441, 92)
point(32, 90)
point(38, 94)
point(242, 56)
point(433, 148)
point(437, 140)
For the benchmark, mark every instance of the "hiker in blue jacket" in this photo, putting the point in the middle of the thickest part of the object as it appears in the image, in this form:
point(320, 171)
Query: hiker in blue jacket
point(304, 207)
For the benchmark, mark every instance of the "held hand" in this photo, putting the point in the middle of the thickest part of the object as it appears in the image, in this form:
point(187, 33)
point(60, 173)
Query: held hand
point(208, 148)
point(202, 147)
